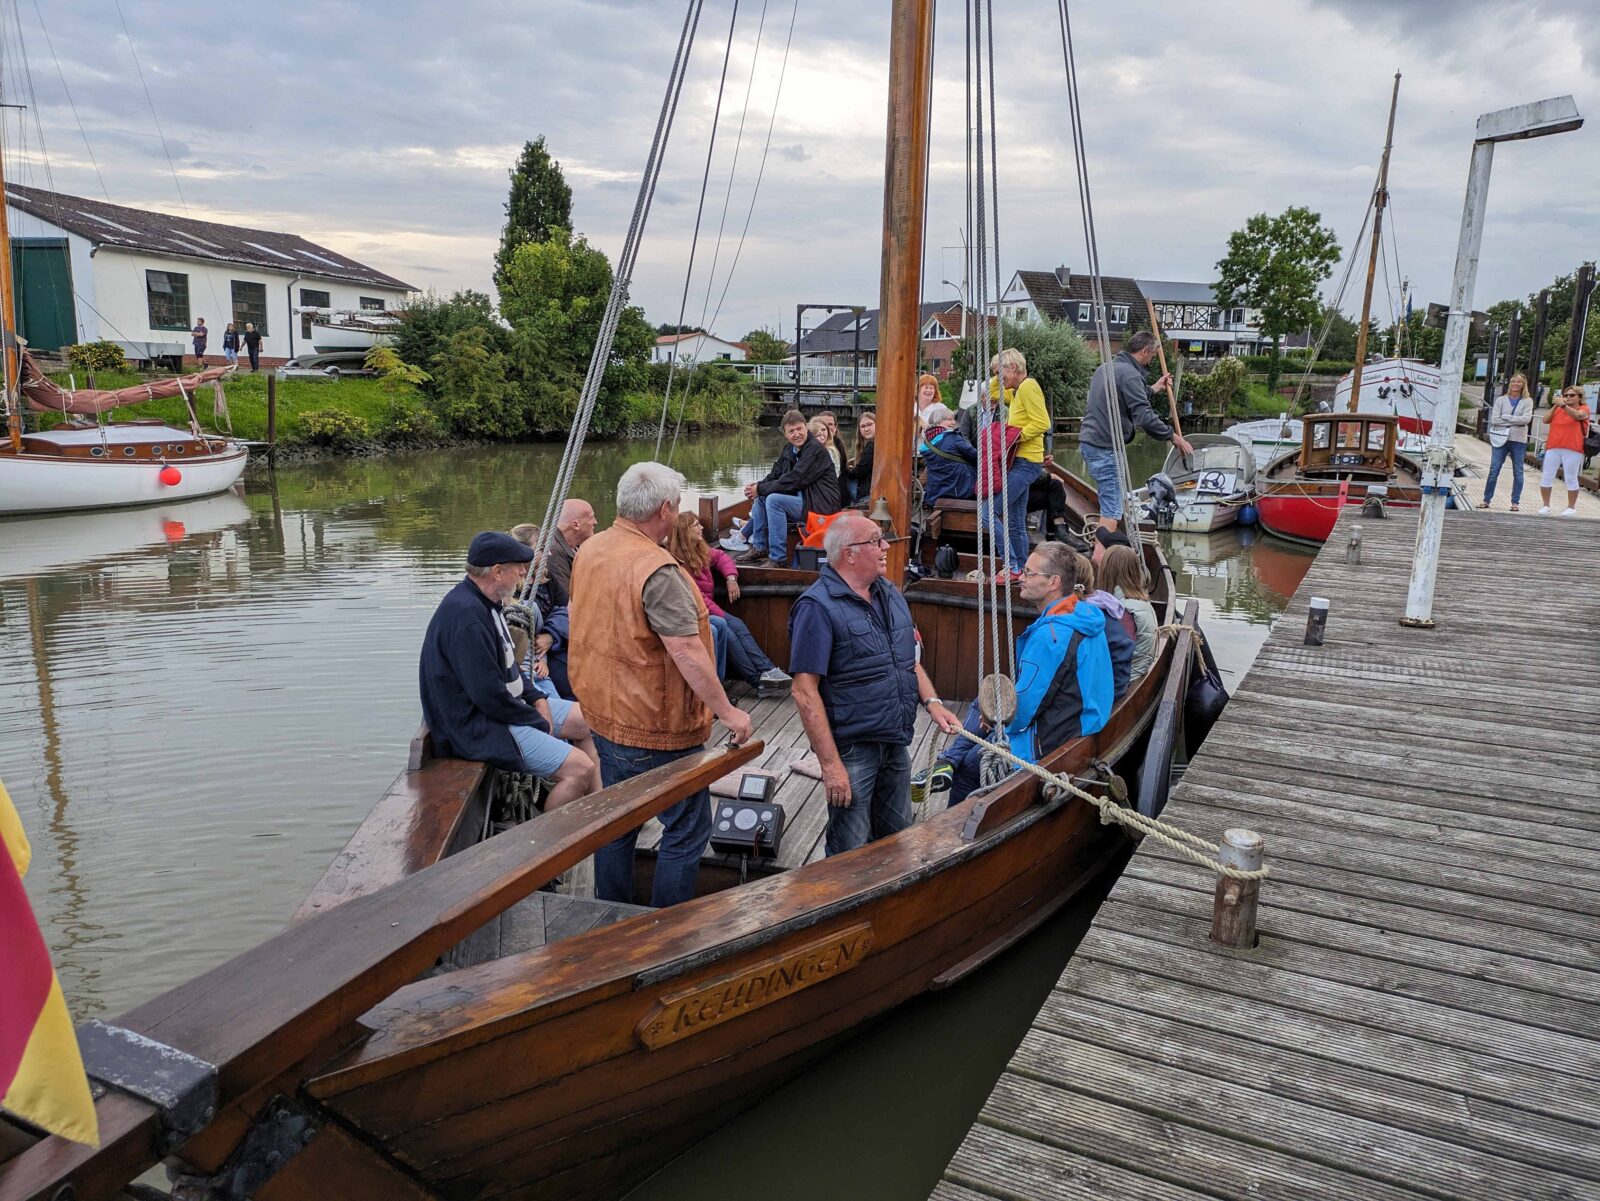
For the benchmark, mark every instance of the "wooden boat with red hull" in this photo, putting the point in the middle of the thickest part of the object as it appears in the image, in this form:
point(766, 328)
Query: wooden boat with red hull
point(1342, 458)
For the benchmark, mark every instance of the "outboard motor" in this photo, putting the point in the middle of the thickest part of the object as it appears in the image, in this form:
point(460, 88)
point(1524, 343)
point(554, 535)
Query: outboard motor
point(1163, 503)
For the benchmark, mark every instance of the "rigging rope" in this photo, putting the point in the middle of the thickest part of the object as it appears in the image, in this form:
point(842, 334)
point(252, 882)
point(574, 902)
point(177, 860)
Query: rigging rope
point(700, 208)
point(749, 213)
point(618, 298)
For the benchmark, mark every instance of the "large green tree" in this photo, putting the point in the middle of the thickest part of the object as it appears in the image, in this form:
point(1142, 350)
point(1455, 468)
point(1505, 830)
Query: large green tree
point(1275, 264)
point(765, 346)
point(553, 296)
point(540, 202)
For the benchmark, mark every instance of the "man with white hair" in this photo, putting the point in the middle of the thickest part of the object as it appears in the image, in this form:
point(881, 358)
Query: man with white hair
point(641, 659)
point(857, 684)
point(574, 527)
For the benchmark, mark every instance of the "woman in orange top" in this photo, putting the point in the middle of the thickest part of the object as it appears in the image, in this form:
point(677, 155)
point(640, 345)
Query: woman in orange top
point(1563, 450)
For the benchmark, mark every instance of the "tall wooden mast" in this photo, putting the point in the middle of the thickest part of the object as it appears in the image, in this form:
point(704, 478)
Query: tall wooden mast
point(900, 291)
point(1379, 199)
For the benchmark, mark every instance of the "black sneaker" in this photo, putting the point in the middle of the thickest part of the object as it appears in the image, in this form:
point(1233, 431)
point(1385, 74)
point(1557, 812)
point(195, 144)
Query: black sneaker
point(751, 555)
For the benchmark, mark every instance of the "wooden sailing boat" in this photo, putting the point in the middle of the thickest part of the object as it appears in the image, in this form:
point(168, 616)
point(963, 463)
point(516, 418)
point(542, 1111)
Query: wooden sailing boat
point(1343, 458)
point(336, 1061)
point(84, 465)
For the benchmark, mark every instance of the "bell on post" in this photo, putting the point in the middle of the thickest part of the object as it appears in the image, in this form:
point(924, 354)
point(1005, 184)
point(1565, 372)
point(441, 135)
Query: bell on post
point(881, 518)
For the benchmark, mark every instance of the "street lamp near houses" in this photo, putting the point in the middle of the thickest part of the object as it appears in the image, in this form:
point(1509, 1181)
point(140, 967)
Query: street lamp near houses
point(1539, 119)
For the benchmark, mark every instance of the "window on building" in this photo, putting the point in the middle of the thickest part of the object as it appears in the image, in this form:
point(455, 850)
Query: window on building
point(167, 293)
point(310, 298)
point(372, 304)
point(1083, 311)
point(250, 304)
point(1119, 314)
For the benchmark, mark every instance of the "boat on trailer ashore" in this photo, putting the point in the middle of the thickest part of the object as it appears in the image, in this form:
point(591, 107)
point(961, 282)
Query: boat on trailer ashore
point(336, 1059)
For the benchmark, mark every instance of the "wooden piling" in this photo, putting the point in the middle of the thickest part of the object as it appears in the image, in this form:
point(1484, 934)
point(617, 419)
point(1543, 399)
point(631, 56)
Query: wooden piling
point(272, 420)
point(1233, 906)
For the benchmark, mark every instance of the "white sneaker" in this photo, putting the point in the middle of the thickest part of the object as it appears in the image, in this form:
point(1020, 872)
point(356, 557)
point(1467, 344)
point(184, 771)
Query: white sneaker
point(1569, 512)
point(1544, 511)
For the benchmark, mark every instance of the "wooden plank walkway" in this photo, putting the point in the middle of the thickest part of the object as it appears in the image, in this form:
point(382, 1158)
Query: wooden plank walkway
point(1422, 1016)
point(1475, 458)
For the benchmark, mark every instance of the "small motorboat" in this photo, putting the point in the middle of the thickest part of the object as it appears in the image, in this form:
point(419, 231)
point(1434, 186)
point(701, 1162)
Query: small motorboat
point(1204, 491)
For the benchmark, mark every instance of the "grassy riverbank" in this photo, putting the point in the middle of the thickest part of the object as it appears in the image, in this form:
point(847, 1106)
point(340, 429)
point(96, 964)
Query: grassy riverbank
point(358, 413)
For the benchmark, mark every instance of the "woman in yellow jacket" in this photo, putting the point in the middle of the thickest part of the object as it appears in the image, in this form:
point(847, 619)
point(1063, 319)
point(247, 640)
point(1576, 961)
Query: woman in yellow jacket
point(1029, 413)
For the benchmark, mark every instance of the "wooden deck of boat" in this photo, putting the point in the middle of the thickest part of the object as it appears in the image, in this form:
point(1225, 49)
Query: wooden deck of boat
point(805, 808)
point(1422, 1015)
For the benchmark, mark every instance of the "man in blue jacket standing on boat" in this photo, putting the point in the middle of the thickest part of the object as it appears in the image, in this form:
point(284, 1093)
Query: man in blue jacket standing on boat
point(476, 701)
point(857, 684)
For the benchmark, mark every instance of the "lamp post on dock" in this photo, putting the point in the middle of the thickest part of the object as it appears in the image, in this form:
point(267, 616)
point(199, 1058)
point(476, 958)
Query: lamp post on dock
point(1536, 120)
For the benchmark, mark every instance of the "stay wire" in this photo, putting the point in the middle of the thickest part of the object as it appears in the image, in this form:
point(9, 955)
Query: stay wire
point(999, 295)
point(72, 104)
point(761, 171)
point(617, 300)
point(700, 208)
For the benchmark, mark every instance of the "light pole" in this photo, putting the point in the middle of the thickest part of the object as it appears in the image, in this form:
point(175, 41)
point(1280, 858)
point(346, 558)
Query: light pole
point(1536, 120)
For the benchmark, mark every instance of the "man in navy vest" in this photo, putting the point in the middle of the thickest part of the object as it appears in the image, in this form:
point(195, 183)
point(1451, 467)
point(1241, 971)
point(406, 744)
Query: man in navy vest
point(857, 684)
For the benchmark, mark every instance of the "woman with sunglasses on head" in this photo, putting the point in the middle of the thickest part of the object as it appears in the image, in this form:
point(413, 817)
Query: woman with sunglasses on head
point(1509, 422)
point(1568, 420)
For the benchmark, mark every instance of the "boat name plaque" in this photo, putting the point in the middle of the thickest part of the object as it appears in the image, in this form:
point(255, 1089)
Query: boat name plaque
point(689, 1011)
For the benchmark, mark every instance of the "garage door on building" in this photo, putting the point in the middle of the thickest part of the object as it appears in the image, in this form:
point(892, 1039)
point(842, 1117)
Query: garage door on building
point(42, 289)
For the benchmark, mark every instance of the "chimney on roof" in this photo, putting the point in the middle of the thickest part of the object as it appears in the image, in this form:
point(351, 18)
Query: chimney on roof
point(1063, 276)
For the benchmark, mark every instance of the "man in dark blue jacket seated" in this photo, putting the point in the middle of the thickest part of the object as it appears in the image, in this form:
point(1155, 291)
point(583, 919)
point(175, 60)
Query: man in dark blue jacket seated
point(950, 460)
point(802, 480)
point(475, 699)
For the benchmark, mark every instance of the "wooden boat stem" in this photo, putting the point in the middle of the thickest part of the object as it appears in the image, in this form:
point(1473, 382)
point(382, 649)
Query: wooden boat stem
point(1379, 198)
point(274, 1004)
point(900, 291)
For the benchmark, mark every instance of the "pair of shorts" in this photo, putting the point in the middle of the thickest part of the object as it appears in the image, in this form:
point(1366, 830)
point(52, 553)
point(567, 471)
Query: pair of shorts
point(544, 754)
point(1102, 465)
point(559, 706)
point(1567, 462)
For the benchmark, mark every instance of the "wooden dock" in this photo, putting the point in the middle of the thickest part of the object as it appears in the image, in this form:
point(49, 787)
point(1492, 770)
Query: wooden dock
point(1422, 1015)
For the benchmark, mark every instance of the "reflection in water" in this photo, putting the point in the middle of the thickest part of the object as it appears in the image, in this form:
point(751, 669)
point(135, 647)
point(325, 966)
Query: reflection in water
point(199, 702)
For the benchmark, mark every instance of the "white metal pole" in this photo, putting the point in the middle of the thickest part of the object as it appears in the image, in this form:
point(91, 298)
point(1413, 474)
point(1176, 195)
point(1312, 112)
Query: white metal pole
point(1438, 471)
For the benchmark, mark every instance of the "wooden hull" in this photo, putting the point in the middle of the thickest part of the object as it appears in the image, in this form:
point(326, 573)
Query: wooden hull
point(1303, 510)
point(533, 1076)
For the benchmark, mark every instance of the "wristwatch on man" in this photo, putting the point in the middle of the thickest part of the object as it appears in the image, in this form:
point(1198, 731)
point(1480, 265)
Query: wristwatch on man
point(928, 702)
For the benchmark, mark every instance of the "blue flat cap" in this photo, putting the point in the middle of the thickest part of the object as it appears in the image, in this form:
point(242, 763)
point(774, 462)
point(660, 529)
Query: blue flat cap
point(492, 547)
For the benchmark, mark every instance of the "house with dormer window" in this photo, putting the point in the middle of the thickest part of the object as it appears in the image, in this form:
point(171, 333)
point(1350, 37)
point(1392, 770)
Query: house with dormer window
point(1197, 325)
point(833, 342)
point(1062, 295)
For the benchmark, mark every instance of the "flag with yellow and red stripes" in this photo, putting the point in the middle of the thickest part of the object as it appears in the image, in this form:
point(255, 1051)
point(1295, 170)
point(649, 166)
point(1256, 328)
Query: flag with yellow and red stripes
point(41, 1072)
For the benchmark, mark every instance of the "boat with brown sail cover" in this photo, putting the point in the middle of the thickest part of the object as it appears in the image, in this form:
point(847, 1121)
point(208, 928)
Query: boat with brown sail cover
point(432, 1026)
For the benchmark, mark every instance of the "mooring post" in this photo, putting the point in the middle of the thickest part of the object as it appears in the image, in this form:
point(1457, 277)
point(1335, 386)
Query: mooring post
point(272, 420)
point(1316, 621)
point(1352, 552)
point(1233, 908)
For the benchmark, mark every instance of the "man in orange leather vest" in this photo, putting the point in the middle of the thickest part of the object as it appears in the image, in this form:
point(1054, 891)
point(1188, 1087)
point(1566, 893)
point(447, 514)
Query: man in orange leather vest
point(640, 658)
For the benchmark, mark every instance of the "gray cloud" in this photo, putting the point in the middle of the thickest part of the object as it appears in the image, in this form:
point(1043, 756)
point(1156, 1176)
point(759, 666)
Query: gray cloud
point(391, 138)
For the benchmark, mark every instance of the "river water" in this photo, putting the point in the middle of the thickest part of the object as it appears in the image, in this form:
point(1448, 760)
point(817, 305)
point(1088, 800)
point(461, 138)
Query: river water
point(200, 702)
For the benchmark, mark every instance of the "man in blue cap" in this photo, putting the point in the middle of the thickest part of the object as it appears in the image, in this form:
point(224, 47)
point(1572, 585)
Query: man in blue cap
point(475, 699)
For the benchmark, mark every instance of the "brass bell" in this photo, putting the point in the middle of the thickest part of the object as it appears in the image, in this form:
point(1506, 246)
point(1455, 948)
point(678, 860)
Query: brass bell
point(881, 518)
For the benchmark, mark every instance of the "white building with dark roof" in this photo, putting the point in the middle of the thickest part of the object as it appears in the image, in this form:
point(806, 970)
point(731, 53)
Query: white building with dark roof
point(87, 271)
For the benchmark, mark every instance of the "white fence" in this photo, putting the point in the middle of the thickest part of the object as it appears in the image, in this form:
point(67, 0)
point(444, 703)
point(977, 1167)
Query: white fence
point(816, 377)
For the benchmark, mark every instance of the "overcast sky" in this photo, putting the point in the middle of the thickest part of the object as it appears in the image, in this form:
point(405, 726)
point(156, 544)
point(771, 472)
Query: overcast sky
point(386, 131)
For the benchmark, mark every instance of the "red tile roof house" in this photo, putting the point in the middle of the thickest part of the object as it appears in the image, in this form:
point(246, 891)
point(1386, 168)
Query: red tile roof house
point(89, 271)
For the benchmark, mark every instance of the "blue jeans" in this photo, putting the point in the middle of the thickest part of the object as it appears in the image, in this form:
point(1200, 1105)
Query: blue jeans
point(1013, 535)
point(770, 516)
point(1102, 465)
point(1516, 452)
point(741, 655)
point(965, 758)
point(719, 644)
point(686, 829)
point(880, 796)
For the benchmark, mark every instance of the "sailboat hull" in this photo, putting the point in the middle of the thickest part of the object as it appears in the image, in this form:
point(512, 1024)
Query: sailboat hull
point(42, 483)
